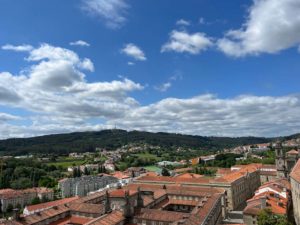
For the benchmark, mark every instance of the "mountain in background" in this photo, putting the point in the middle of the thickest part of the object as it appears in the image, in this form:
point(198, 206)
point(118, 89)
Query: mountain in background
point(112, 139)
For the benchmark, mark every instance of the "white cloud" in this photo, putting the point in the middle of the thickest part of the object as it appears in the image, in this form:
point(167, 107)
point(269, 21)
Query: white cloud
point(58, 98)
point(55, 90)
point(131, 63)
point(17, 48)
point(167, 85)
point(112, 12)
point(163, 87)
point(181, 41)
point(202, 20)
point(271, 26)
point(134, 51)
point(80, 43)
point(4, 117)
point(183, 22)
point(210, 115)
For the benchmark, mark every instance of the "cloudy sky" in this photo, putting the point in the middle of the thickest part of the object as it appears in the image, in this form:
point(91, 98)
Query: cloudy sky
point(203, 67)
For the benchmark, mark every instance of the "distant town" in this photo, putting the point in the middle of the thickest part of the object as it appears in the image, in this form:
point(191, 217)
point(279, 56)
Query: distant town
point(147, 184)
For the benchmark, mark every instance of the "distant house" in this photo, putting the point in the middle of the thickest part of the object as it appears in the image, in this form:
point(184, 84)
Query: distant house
point(109, 166)
point(123, 178)
point(168, 163)
point(136, 171)
point(21, 198)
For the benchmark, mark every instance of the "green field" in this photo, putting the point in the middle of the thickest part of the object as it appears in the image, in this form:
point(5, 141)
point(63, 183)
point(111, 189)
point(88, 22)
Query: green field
point(67, 162)
point(153, 168)
point(147, 155)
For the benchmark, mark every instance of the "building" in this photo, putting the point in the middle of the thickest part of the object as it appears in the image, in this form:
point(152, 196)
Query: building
point(135, 171)
point(137, 204)
point(33, 209)
point(21, 198)
point(168, 163)
point(268, 173)
point(274, 195)
point(240, 184)
point(123, 177)
point(202, 159)
point(295, 184)
point(81, 186)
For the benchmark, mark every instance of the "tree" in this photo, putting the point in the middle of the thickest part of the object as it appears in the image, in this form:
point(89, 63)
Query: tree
point(35, 201)
point(165, 172)
point(21, 183)
point(9, 208)
point(76, 172)
point(47, 181)
point(266, 217)
point(86, 171)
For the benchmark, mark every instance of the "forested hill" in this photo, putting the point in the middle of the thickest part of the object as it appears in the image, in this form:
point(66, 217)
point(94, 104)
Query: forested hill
point(112, 139)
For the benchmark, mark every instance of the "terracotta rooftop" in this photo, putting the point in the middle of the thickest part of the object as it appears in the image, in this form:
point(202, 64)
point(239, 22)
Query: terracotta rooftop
point(158, 215)
point(113, 218)
point(239, 172)
point(47, 205)
point(87, 208)
point(38, 217)
point(277, 204)
point(293, 152)
point(175, 188)
point(120, 175)
point(120, 193)
point(295, 174)
point(11, 193)
point(279, 184)
point(173, 180)
point(72, 220)
point(90, 197)
point(199, 214)
point(189, 175)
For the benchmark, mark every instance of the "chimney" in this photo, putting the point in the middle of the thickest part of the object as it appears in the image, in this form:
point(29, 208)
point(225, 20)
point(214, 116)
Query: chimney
point(263, 202)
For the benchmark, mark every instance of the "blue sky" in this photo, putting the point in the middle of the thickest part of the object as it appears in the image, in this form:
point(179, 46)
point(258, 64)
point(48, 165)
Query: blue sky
point(205, 67)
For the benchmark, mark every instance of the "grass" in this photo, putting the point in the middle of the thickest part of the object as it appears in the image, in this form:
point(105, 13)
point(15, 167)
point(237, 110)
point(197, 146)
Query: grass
point(66, 162)
point(153, 168)
point(122, 165)
point(147, 155)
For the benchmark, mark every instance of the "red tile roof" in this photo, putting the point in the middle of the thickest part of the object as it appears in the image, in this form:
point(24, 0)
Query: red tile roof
point(120, 193)
point(295, 174)
point(120, 175)
point(293, 152)
point(11, 193)
point(72, 220)
point(87, 208)
point(189, 175)
point(47, 205)
point(278, 205)
point(158, 215)
point(113, 218)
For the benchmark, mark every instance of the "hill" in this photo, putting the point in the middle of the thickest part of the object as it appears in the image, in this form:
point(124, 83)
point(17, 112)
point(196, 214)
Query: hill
point(112, 139)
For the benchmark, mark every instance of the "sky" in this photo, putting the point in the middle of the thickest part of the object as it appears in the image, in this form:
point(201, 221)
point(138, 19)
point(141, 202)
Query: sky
point(200, 67)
